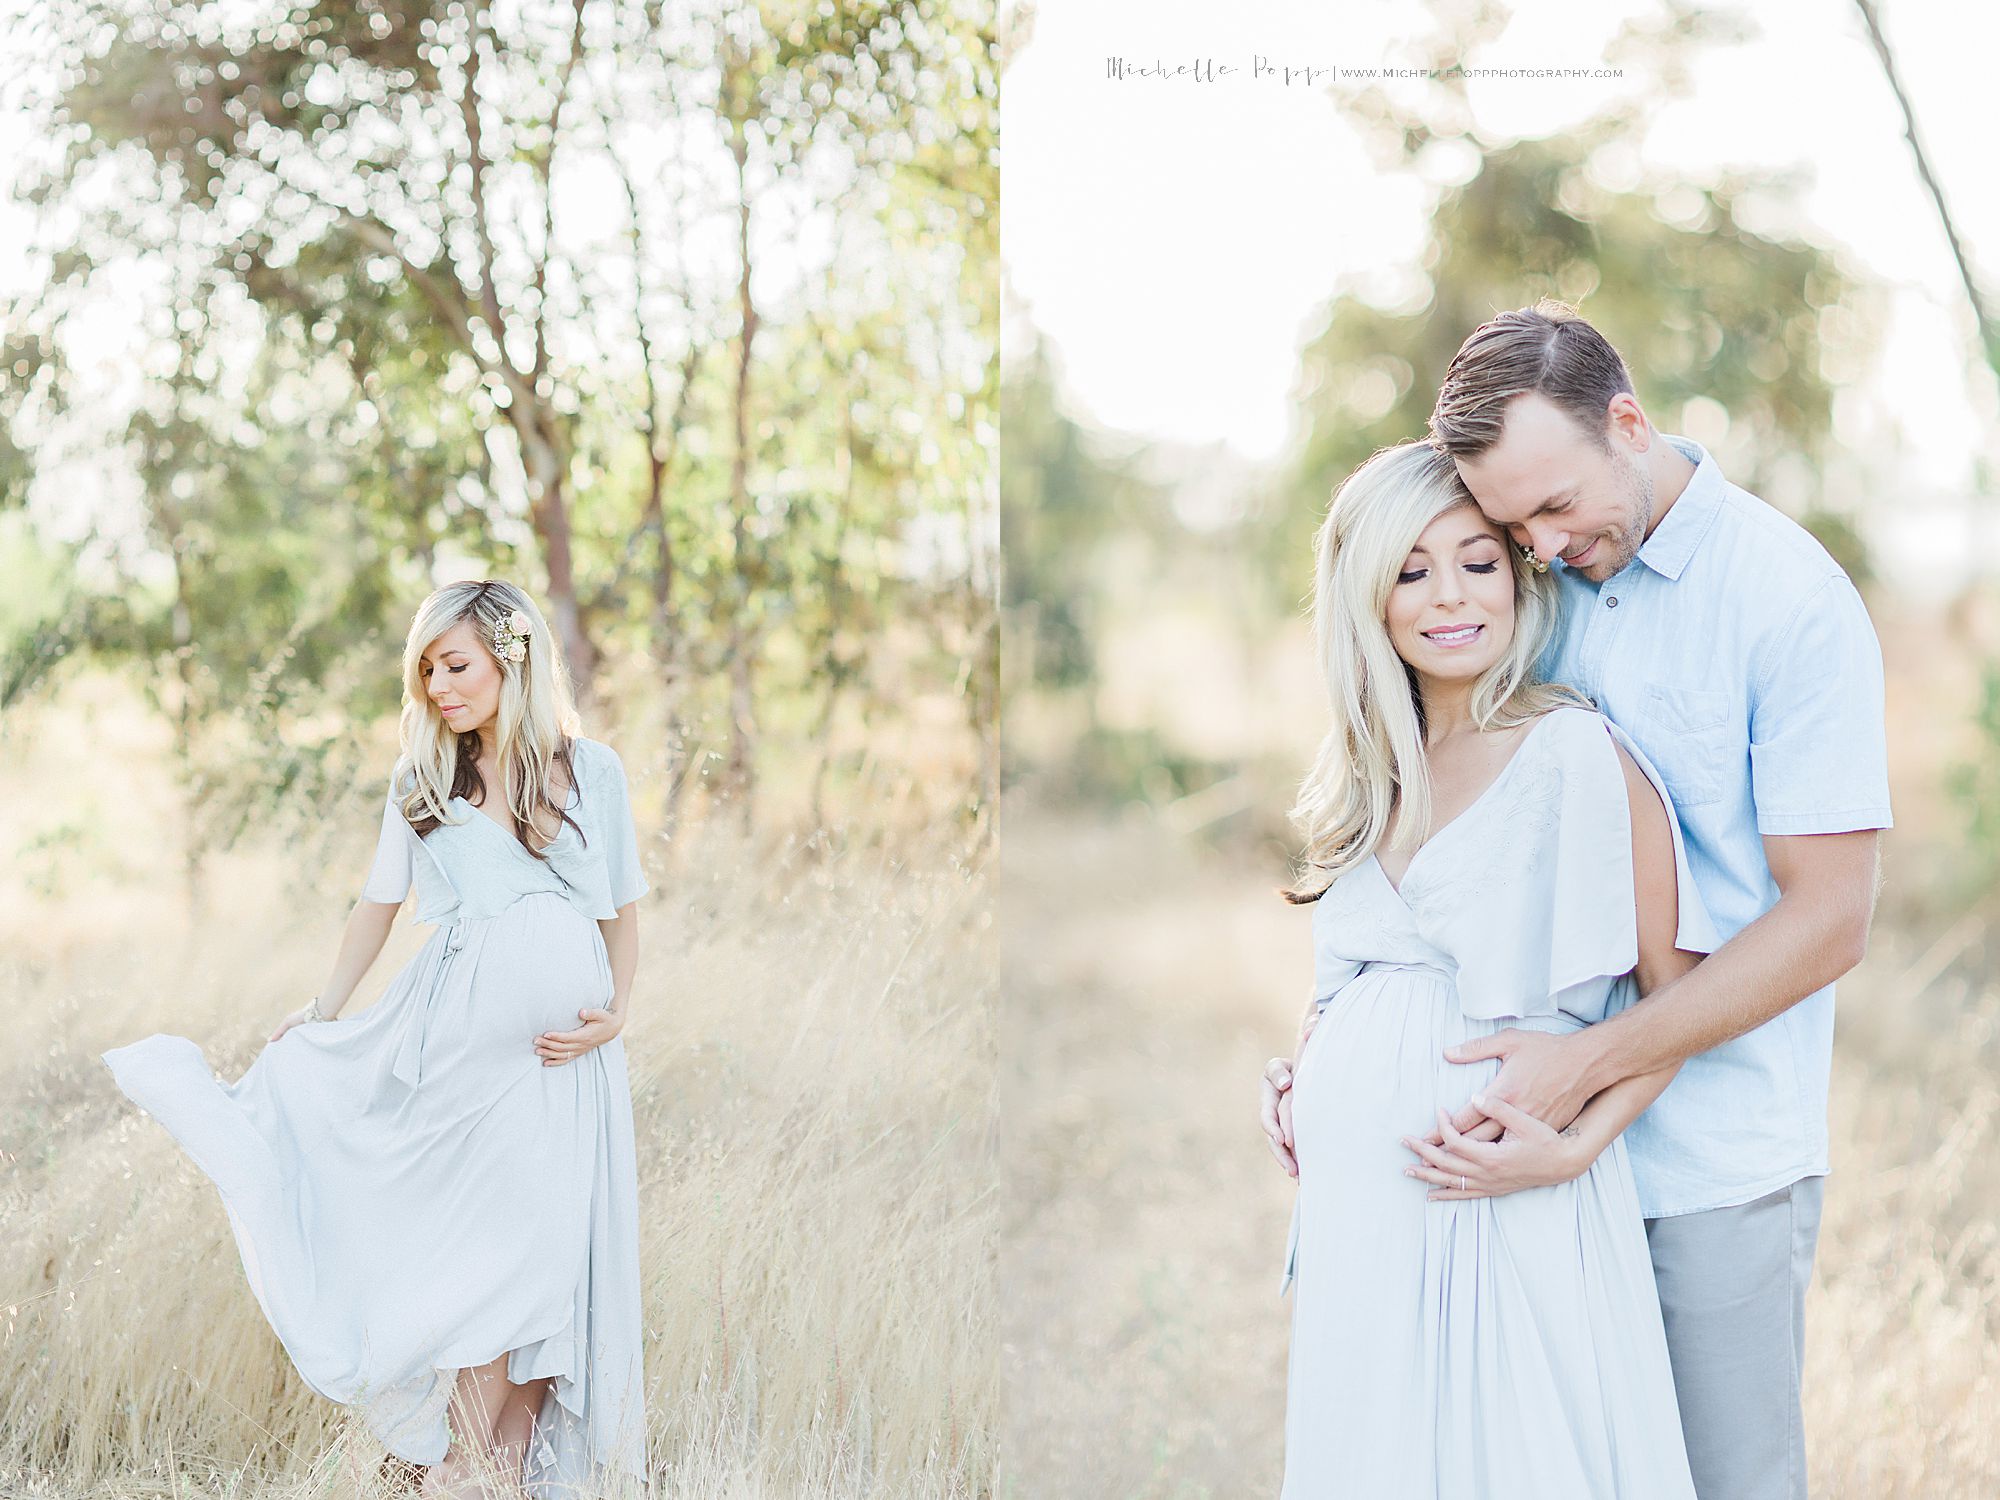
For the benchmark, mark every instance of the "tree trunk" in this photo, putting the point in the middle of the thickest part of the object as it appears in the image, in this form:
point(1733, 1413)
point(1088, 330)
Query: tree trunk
point(191, 835)
point(1983, 316)
point(679, 757)
point(545, 458)
point(831, 581)
point(822, 731)
point(742, 634)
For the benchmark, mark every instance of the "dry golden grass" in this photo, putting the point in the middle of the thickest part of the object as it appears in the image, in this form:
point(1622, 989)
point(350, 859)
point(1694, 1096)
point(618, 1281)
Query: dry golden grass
point(1144, 1344)
point(811, 1061)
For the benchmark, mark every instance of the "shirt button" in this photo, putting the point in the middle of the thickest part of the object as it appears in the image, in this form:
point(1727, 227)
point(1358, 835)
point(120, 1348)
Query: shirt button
point(1610, 601)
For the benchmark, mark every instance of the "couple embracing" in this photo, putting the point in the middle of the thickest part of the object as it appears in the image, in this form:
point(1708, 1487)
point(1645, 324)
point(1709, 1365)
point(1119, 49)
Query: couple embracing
point(1591, 837)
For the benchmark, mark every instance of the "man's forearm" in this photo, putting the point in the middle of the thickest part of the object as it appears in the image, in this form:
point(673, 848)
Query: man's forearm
point(1798, 947)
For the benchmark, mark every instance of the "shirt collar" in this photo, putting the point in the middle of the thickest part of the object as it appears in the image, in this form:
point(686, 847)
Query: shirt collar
point(1687, 521)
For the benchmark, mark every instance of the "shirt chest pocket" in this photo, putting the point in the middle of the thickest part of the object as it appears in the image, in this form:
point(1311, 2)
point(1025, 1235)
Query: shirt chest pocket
point(1692, 741)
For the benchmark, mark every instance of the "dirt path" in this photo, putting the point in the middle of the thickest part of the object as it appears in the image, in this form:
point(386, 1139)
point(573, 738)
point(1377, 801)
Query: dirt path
point(1144, 1343)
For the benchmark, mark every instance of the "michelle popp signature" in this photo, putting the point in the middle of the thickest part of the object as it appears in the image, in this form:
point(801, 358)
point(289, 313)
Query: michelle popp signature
point(1210, 70)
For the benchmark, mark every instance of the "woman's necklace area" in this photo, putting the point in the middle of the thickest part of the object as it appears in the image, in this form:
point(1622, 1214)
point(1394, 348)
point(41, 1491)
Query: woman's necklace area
point(488, 779)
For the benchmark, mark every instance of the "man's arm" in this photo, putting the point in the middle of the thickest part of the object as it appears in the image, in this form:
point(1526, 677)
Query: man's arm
point(1817, 931)
point(1817, 759)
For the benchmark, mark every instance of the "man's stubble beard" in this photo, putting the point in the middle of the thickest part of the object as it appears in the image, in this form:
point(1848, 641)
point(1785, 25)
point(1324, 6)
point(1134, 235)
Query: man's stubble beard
point(1625, 544)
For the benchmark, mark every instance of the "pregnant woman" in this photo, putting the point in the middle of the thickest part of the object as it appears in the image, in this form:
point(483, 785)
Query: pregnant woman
point(436, 1199)
point(1483, 850)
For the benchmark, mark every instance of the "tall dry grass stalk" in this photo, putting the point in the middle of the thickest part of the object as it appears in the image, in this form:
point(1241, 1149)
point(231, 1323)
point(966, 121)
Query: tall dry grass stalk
point(811, 1056)
point(1903, 1326)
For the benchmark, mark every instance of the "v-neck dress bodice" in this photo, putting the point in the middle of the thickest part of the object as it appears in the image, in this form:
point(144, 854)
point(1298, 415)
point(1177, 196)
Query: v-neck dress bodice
point(1508, 1347)
point(471, 867)
point(1525, 898)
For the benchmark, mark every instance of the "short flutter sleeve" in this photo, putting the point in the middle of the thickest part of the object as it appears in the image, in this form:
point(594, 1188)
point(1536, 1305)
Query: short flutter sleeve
point(1544, 915)
point(389, 877)
point(621, 835)
point(601, 870)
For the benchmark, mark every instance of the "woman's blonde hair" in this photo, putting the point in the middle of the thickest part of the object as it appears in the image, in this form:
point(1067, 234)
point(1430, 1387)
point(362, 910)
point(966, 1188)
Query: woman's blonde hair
point(534, 726)
point(1370, 783)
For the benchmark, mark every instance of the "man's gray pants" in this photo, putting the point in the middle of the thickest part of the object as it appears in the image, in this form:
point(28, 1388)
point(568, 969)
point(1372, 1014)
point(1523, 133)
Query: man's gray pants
point(1733, 1295)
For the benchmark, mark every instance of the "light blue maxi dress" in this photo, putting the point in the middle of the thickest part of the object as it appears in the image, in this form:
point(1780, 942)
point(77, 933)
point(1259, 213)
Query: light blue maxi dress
point(1507, 1348)
point(413, 1191)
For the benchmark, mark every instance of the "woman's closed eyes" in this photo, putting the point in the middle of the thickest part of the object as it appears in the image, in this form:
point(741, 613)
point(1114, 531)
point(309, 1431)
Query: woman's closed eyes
point(1416, 573)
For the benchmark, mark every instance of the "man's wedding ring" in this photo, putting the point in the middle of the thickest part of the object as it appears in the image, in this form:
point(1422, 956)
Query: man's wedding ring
point(1461, 1182)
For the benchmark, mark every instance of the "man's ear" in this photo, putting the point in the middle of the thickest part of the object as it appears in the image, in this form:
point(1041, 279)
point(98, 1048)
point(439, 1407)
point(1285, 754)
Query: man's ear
point(1627, 418)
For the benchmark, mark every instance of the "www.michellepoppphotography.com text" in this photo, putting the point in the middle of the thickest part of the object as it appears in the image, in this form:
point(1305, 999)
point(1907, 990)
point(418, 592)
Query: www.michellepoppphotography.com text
point(1262, 69)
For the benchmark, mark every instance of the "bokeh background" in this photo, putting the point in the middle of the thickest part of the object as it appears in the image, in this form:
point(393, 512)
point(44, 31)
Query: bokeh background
point(683, 316)
point(1220, 293)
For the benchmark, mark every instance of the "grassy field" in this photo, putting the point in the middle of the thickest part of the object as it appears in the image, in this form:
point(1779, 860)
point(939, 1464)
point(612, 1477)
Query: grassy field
point(811, 1054)
point(1149, 979)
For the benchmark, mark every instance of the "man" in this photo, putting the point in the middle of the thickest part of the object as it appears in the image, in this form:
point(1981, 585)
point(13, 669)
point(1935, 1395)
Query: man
point(1727, 642)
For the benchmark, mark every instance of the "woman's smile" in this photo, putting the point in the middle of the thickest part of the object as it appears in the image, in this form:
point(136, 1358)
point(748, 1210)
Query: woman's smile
point(1453, 636)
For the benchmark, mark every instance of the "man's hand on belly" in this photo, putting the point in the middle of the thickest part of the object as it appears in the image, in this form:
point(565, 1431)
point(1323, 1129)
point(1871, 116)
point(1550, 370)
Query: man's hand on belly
point(1541, 1075)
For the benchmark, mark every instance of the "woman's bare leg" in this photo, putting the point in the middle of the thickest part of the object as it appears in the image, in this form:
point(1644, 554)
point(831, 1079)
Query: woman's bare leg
point(468, 1465)
point(515, 1424)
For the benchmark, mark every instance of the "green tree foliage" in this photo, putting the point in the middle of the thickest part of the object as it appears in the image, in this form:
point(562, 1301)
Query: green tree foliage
point(1088, 535)
point(1707, 299)
point(678, 313)
point(1703, 298)
point(1059, 503)
point(1700, 305)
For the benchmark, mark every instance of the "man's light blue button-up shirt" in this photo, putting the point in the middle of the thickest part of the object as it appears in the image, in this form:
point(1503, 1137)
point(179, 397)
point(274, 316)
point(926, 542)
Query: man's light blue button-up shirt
point(1738, 655)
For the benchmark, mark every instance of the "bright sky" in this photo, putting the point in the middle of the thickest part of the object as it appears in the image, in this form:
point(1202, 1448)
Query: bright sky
point(1173, 236)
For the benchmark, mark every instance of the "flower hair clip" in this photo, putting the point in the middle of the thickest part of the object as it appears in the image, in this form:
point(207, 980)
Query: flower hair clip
point(1528, 556)
point(510, 637)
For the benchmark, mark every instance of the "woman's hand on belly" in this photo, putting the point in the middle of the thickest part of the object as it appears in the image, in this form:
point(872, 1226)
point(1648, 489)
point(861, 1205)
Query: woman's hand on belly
point(599, 1026)
point(1530, 1154)
point(1275, 1112)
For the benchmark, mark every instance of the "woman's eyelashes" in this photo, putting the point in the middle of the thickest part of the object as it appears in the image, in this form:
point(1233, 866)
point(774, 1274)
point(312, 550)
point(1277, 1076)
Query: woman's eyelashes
point(1412, 575)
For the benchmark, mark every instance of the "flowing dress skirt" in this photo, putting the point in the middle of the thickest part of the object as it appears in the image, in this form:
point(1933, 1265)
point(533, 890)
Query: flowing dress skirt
point(1504, 1348)
point(413, 1192)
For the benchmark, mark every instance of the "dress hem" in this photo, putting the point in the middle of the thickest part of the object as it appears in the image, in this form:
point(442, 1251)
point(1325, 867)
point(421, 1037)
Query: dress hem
point(170, 1064)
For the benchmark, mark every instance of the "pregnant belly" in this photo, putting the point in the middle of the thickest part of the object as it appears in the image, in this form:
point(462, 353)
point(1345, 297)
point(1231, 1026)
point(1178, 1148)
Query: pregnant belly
point(1374, 1071)
point(540, 962)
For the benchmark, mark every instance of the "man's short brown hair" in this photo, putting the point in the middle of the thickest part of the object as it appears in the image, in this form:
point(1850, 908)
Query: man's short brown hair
point(1547, 348)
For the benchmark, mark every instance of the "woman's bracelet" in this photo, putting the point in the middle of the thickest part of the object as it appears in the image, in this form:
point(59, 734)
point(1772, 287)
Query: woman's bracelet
point(312, 1010)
